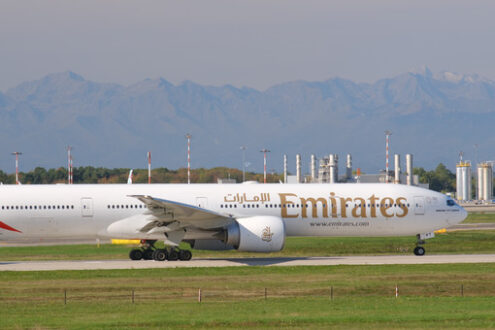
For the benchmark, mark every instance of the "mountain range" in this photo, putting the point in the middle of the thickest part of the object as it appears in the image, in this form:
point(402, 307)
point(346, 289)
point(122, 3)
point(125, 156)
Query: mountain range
point(432, 116)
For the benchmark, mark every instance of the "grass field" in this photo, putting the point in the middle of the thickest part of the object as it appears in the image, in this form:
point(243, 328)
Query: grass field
point(480, 217)
point(430, 296)
point(454, 242)
point(363, 296)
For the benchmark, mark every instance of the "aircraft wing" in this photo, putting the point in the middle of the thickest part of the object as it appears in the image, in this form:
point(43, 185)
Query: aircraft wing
point(185, 214)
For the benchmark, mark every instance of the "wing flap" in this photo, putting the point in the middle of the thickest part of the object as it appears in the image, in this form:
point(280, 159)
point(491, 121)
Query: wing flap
point(187, 215)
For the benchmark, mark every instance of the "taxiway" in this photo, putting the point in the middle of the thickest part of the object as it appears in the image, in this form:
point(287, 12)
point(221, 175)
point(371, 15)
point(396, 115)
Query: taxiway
point(236, 262)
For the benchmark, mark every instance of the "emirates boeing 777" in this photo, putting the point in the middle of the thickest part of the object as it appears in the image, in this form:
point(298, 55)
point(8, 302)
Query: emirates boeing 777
point(246, 217)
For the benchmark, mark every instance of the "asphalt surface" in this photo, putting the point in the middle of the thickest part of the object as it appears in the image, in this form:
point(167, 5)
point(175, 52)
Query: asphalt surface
point(236, 262)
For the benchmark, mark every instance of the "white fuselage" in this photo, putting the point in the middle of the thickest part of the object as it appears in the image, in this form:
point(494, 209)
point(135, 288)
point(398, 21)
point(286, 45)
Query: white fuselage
point(86, 211)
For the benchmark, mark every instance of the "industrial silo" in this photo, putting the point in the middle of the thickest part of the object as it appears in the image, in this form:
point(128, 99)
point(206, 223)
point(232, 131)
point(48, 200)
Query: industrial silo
point(485, 181)
point(333, 163)
point(463, 179)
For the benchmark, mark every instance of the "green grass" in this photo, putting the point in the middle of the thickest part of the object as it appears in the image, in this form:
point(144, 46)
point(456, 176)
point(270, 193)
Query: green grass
point(480, 217)
point(452, 242)
point(233, 297)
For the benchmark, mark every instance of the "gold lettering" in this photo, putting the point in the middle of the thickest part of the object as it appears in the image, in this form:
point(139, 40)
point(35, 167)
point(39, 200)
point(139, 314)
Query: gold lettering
point(343, 208)
point(401, 202)
point(284, 202)
point(361, 207)
point(385, 204)
point(314, 207)
point(333, 201)
point(373, 199)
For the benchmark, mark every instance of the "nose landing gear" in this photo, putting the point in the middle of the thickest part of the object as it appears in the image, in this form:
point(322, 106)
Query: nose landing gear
point(419, 250)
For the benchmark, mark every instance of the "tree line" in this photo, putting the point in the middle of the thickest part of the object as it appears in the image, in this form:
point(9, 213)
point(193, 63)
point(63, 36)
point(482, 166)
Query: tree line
point(89, 174)
point(440, 179)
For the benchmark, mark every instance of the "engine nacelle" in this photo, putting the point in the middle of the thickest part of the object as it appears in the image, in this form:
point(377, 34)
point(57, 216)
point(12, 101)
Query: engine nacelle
point(257, 234)
point(209, 244)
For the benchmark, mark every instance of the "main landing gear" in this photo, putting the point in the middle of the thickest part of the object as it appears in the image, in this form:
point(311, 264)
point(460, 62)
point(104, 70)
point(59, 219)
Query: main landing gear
point(147, 251)
point(171, 254)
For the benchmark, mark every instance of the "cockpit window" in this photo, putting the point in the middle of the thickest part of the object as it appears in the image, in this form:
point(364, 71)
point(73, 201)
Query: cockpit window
point(450, 202)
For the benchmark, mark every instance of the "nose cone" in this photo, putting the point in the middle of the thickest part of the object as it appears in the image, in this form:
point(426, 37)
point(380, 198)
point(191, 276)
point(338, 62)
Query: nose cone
point(457, 217)
point(462, 214)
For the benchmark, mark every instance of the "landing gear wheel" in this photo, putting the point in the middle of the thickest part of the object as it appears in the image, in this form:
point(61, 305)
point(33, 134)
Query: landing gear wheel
point(419, 251)
point(136, 254)
point(173, 255)
point(148, 254)
point(160, 255)
point(185, 255)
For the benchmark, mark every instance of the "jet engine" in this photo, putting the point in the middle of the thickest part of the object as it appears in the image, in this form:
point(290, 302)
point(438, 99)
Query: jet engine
point(257, 234)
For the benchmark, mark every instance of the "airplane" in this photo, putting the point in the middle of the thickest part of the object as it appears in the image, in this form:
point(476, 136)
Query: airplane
point(247, 217)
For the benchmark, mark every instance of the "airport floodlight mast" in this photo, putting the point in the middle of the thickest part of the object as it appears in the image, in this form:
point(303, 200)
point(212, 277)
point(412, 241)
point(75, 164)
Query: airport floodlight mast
point(17, 153)
point(264, 151)
point(70, 176)
point(387, 140)
point(149, 166)
point(476, 153)
point(243, 148)
point(188, 137)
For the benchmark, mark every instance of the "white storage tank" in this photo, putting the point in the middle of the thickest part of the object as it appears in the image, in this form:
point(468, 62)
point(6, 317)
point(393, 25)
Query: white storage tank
point(463, 180)
point(485, 181)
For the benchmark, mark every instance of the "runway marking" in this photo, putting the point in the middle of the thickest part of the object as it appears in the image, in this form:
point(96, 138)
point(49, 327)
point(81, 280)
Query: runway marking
point(239, 262)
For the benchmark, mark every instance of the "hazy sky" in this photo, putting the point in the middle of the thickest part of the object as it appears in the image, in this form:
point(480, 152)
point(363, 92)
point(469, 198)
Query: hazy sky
point(244, 43)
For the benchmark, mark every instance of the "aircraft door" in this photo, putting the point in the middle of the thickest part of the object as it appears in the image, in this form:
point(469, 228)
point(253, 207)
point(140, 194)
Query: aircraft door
point(419, 205)
point(202, 202)
point(87, 207)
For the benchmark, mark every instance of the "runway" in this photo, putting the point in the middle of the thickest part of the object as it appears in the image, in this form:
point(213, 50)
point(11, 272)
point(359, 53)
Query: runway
point(237, 262)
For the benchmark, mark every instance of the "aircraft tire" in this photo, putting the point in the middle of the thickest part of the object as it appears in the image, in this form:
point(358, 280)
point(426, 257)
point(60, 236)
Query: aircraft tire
point(136, 254)
point(185, 255)
point(148, 254)
point(173, 255)
point(160, 255)
point(419, 251)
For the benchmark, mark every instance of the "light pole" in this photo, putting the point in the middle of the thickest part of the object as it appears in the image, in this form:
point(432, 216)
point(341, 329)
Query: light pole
point(17, 153)
point(243, 148)
point(188, 137)
point(387, 138)
point(148, 154)
point(69, 165)
point(264, 151)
